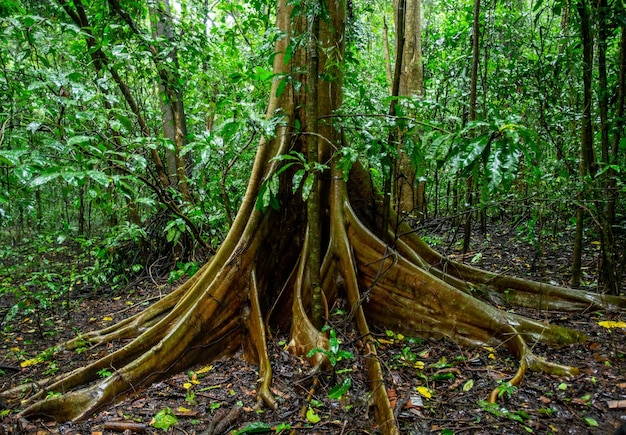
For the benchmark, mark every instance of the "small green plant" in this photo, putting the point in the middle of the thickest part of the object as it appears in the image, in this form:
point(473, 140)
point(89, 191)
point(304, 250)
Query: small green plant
point(164, 419)
point(496, 411)
point(506, 388)
point(52, 368)
point(334, 353)
point(104, 373)
point(182, 270)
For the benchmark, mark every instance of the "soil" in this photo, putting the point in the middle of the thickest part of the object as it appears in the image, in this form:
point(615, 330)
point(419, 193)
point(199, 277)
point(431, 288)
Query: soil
point(436, 387)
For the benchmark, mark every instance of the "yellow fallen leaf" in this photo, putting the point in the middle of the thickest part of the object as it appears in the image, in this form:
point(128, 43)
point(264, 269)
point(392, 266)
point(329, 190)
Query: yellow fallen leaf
point(107, 319)
point(491, 356)
point(30, 362)
point(117, 298)
point(419, 365)
point(425, 392)
point(611, 324)
point(187, 385)
point(399, 337)
point(385, 341)
point(205, 369)
point(183, 409)
point(312, 416)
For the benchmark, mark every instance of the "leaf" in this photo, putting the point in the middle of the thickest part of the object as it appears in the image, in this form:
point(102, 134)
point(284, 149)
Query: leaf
point(11, 157)
point(281, 87)
point(311, 416)
point(74, 140)
point(307, 186)
point(46, 177)
point(164, 419)
point(107, 319)
point(205, 369)
point(468, 385)
point(609, 324)
point(256, 427)
point(591, 422)
point(425, 392)
point(30, 362)
point(340, 389)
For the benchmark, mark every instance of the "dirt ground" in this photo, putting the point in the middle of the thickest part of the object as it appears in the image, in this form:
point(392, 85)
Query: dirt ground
point(436, 387)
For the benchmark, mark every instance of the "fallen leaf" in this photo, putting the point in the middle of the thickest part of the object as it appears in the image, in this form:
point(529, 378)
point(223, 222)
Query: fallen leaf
point(609, 324)
point(311, 416)
point(30, 362)
point(107, 319)
point(468, 385)
point(425, 392)
point(205, 369)
point(616, 404)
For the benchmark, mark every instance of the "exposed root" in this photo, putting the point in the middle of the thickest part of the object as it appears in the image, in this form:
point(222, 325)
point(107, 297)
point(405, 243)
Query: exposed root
point(379, 401)
point(257, 331)
point(515, 291)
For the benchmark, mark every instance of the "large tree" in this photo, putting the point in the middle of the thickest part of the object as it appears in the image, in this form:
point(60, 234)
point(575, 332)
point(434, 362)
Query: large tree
point(330, 240)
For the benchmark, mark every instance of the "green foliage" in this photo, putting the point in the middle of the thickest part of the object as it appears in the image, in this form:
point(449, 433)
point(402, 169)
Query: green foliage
point(164, 419)
point(334, 353)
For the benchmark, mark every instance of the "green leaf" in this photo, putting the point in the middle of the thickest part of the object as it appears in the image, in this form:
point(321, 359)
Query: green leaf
point(340, 389)
point(262, 74)
point(312, 417)
point(468, 385)
point(256, 427)
point(48, 175)
point(307, 186)
point(74, 140)
point(164, 419)
point(11, 157)
point(99, 177)
point(281, 87)
point(590, 421)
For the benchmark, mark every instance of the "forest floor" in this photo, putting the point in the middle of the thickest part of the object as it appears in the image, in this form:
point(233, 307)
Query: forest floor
point(436, 387)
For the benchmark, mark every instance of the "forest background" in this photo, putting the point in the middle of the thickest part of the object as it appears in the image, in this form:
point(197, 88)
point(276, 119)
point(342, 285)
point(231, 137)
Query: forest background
point(93, 136)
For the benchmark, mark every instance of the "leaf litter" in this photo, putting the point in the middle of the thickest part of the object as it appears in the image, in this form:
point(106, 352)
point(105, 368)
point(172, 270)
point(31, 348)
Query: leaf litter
point(435, 386)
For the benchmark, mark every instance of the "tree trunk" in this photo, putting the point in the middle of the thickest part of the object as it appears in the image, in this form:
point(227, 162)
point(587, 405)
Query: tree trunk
point(409, 191)
point(261, 274)
point(587, 157)
point(171, 100)
point(469, 194)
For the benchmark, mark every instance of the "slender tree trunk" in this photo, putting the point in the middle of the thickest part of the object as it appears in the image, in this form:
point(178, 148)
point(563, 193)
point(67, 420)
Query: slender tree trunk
point(313, 203)
point(587, 157)
point(171, 99)
point(409, 181)
point(469, 193)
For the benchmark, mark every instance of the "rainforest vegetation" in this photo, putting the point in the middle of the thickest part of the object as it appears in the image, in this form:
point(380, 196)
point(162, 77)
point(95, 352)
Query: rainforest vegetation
point(321, 187)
